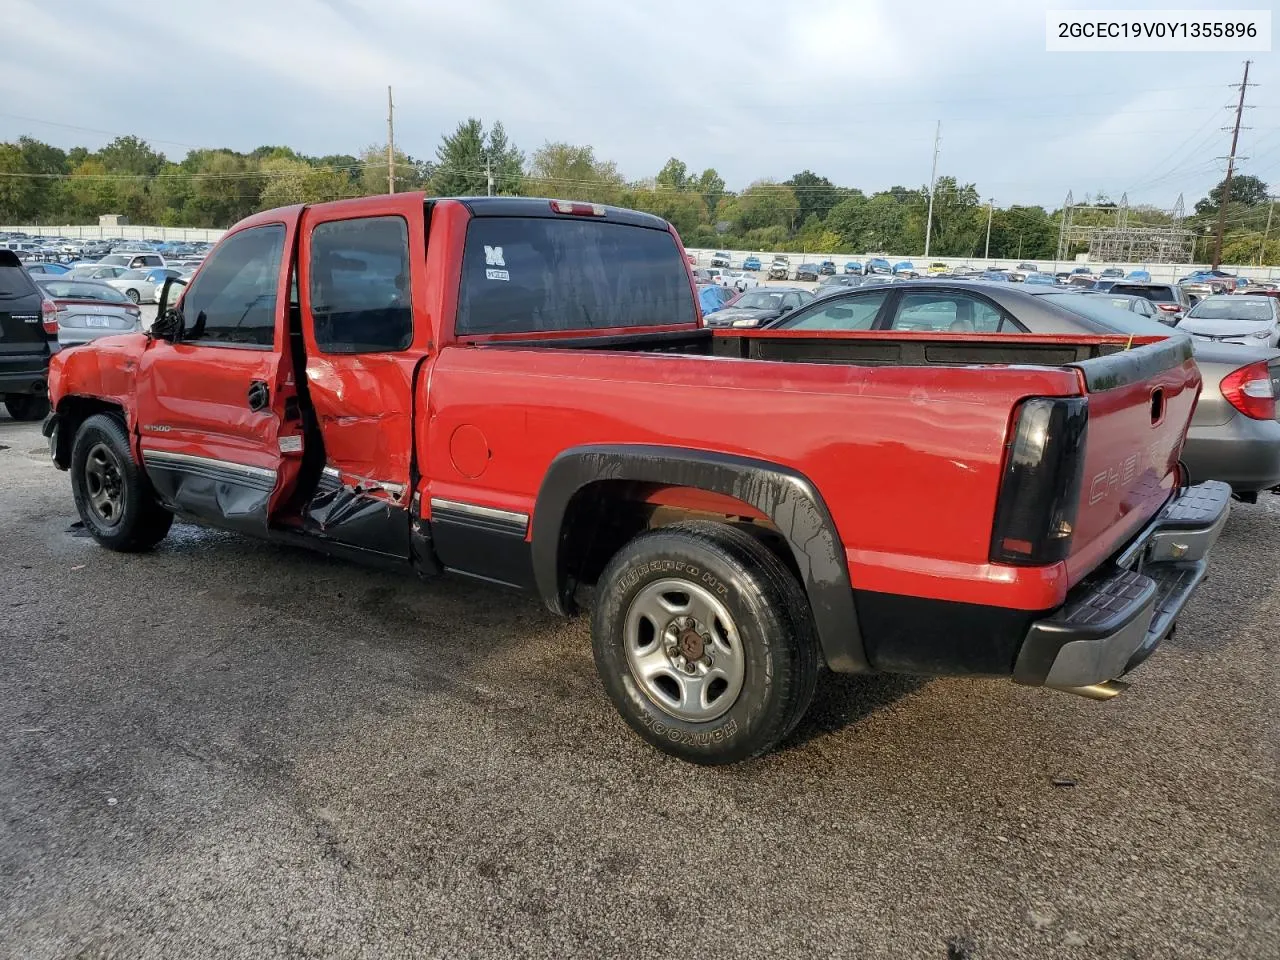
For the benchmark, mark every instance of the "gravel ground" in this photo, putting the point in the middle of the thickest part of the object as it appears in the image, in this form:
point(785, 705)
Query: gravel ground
point(231, 749)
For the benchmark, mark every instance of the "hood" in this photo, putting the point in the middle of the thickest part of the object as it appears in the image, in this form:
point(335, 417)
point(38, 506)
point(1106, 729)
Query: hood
point(723, 318)
point(1223, 327)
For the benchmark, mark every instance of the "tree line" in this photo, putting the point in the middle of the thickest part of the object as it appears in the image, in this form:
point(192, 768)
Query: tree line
point(43, 184)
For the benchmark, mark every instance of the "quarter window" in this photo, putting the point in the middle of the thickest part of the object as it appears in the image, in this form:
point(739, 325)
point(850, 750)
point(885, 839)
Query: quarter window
point(233, 297)
point(359, 285)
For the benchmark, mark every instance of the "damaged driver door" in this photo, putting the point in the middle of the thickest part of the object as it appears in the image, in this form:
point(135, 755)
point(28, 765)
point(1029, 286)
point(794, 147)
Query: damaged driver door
point(361, 276)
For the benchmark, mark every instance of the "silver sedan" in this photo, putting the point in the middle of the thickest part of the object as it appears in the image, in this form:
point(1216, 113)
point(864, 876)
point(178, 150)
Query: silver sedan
point(1246, 321)
point(87, 310)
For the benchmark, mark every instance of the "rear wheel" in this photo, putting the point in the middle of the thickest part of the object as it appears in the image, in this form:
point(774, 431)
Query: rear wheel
point(704, 642)
point(112, 494)
point(26, 406)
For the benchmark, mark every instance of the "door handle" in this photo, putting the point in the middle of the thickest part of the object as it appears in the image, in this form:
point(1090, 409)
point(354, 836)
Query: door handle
point(259, 395)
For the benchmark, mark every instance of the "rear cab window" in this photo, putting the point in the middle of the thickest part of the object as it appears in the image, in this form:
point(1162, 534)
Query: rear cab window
point(539, 274)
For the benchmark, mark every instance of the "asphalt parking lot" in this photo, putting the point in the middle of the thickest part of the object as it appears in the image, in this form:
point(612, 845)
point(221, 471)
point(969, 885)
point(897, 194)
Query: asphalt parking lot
point(230, 749)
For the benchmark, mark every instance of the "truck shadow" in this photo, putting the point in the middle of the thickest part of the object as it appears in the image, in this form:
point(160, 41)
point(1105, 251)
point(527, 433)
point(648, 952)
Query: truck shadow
point(842, 700)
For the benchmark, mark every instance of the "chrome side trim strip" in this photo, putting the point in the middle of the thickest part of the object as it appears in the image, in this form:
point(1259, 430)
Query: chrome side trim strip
point(166, 459)
point(513, 517)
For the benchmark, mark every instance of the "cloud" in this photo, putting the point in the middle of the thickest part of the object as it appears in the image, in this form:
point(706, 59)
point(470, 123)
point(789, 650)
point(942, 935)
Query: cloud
point(755, 89)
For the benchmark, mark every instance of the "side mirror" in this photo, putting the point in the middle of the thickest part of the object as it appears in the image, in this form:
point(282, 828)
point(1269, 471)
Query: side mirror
point(168, 323)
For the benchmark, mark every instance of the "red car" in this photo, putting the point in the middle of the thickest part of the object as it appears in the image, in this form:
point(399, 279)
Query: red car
point(523, 391)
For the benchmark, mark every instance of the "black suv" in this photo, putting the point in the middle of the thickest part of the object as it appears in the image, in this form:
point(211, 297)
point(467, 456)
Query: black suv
point(25, 343)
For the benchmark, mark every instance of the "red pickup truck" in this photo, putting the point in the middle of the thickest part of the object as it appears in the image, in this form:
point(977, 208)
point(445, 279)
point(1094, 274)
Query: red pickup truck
point(523, 391)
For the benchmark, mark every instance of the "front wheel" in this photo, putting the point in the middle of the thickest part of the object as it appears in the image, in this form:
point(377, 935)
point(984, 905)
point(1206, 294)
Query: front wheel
point(26, 406)
point(112, 494)
point(133, 295)
point(704, 642)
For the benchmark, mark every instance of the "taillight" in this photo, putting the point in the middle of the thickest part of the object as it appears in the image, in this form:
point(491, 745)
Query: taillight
point(1169, 307)
point(1249, 391)
point(1040, 488)
point(49, 316)
point(577, 209)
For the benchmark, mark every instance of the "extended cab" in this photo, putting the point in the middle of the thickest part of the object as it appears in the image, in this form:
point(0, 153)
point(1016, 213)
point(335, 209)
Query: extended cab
point(523, 391)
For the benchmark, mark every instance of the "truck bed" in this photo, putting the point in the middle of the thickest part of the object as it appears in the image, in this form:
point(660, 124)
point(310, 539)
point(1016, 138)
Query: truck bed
point(871, 348)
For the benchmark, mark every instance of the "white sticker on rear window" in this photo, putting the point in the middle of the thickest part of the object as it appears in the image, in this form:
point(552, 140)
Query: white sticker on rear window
point(497, 274)
point(493, 256)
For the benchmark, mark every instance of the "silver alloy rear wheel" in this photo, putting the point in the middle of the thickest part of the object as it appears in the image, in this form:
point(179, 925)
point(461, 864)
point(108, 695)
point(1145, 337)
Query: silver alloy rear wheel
point(684, 650)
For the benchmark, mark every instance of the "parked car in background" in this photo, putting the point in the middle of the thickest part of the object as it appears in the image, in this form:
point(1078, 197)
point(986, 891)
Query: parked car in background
point(1259, 288)
point(934, 269)
point(878, 265)
point(780, 268)
point(28, 338)
point(808, 271)
point(1234, 434)
point(1048, 278)
point(964, 270)
point(1243, 320)
point(89, 309)
point(1000, 276)
point(142, 286)
point(1214, 281)
point(713, 297)
point(853, 267)
point(830, 285)
point(1111, 273)
point(1172, 300)
point(827, 268)
point(47, 269)
point(96, 271)
point(1121, 301)
point(904, 268)
point(1104, 283)
point(1141, 276)
point(720, 259)
point(738, 280)
point(132, 260)
point(751, 263)
point(760, 307)
point(1023, 270)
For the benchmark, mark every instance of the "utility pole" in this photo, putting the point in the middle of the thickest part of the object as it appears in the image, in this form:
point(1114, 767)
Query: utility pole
point(1262, 250)
point(391, 145)
point(933, 180)
point(488, 175)
point(1231, 163)
point(1062, 229)
point(991, 202)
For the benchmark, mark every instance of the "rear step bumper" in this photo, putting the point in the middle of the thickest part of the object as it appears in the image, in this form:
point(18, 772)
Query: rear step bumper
point(1113, 621)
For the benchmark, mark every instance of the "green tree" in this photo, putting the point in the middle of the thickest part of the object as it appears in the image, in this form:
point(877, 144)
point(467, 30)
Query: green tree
point(766, 204)
point(1246, 190)
point(711, 185)
point(131, 155)
point(459, 170)
point(674, 175)
point(955, 218)
point(506, 161)
point(573, 173)
point(815, 195)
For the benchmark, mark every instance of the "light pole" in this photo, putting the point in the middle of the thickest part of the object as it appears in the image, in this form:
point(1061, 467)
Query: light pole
point(986, 254)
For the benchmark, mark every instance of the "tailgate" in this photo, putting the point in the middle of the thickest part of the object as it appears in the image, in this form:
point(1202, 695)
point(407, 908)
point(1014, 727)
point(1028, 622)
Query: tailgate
point(1140, 405)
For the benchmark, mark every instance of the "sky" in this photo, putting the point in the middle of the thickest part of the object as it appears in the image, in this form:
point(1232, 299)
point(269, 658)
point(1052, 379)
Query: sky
point(850, 90)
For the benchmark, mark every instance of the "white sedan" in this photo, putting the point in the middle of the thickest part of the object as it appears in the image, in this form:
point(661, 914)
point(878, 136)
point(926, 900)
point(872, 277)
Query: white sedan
point(738, 280)
point(143, 286)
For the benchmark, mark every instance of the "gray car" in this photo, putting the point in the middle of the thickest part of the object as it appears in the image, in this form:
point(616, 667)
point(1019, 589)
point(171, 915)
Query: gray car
point(1235, 432)
point(1244, 320)
point(87, 310)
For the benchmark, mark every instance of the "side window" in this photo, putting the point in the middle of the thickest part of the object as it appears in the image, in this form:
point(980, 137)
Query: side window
point(792, 300)
point(233, 297)
point(948, 312)
point(846, 313)
point(360, 285)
